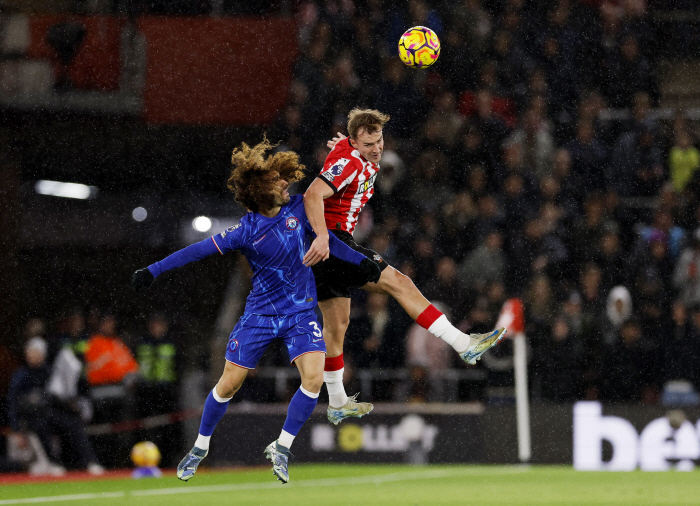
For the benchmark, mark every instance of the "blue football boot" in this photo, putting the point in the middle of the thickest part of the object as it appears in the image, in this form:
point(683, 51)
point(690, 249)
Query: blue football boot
point(280, 461)
point(188, 465)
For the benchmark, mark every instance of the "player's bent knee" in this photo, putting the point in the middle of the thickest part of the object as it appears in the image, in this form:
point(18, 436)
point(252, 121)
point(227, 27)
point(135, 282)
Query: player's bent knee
point(314, 384)
point(396, 282)
point(335, 330)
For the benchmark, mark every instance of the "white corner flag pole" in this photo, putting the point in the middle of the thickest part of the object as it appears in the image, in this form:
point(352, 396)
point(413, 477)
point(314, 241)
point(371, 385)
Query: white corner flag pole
point(512, 317)
point(522, 401)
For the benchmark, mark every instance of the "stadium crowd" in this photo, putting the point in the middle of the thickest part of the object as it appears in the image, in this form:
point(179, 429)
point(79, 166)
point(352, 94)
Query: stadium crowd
point(500, 177)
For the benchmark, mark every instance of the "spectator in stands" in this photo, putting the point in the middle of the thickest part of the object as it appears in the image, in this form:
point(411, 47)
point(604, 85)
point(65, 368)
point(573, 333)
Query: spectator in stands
point(591, 293)
point(540, 304)
point(683, 161)
point(32, 409)
point(618, 309)
point(71, 333)
point(628, 368)
point(682, 344)
point(559, 364)
point(588, 156)
point(636, 167)
point(610, 257)
point(446, 119)
point(686, 272)
point(427, 360)
point(535, 134)
point(485, 264)
point(447, 285)
point(366, 331)
point(627, 72)
point(398, 97)
point(111, 372)
point(457, 222)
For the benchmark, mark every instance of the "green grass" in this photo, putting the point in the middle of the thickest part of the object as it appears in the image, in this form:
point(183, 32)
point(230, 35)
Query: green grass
point(337, 485)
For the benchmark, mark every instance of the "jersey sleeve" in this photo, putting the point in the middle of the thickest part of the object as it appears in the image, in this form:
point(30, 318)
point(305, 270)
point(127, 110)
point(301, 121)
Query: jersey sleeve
point(230, 239)
point(343, 252)
point(338, 172)
point(191, 253)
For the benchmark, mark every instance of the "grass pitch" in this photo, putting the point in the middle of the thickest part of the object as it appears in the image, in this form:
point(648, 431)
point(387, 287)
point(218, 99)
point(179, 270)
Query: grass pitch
point(338, 485)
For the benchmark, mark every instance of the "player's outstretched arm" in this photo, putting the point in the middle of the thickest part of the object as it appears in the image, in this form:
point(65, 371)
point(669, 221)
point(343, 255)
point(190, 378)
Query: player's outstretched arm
point(335, 140)
point(314, 208)
point(143, 278)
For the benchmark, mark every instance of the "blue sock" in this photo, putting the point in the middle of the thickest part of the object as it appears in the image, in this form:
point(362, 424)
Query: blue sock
point(213, 411)
point(300, 408)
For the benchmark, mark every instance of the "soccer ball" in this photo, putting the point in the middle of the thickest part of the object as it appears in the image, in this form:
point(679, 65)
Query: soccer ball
point(145, 454)
point(419, 47)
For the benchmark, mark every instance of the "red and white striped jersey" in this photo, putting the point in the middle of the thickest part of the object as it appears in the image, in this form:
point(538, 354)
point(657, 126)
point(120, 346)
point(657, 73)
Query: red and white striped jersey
point(352, 179)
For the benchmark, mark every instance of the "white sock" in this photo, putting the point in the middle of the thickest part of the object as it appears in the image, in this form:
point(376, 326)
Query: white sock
point(285, 439)
point(202, 442)
point(309, 394)
point(447, 332)
point(336, 391)
point(219, 399)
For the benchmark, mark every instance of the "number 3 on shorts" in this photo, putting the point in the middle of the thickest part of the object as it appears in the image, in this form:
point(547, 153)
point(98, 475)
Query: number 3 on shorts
point(317, 332)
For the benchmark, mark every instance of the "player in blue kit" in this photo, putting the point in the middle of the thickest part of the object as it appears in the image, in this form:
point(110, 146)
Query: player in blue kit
point(273, 236)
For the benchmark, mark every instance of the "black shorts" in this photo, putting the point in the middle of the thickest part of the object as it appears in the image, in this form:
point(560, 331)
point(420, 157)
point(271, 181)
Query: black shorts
point(335, 278)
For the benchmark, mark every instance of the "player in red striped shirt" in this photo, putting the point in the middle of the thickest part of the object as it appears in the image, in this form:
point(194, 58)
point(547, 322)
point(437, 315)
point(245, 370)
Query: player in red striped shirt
point(334, 201)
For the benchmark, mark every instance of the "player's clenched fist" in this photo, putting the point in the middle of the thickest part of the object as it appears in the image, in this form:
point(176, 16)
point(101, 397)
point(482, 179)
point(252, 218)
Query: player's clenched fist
point(142, 279)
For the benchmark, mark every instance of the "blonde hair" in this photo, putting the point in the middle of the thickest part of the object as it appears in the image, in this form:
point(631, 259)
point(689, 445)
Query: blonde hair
point(369, 120)
point(250, 167)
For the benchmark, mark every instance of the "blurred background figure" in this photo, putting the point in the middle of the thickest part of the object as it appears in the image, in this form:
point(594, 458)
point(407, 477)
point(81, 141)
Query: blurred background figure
point(157, 357)
point(34, 411)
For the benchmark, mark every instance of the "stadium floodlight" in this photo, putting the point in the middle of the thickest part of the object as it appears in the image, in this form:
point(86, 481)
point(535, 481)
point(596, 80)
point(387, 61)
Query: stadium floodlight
point(201, 224)
point(139, 214)
point(67, 190)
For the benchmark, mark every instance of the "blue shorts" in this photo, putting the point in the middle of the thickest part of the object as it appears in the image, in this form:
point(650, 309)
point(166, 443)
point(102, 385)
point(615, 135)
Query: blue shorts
point(253, 333)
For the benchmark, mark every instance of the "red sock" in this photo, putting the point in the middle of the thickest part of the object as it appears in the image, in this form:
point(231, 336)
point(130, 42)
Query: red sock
point(334, 363)
point(426, 318)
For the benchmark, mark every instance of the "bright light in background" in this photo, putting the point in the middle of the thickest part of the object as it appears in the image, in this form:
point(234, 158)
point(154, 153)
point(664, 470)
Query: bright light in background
point(201, 224)
point(68, 190)
point(139, 214)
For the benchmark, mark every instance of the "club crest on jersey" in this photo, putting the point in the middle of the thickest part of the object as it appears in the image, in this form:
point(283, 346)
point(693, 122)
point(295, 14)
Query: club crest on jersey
point(229, 229)
point(292, 223)
point(336, 169)
point(232, 345)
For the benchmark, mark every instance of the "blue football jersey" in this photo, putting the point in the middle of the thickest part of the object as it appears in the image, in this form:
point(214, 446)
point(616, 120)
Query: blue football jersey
point(274, 247)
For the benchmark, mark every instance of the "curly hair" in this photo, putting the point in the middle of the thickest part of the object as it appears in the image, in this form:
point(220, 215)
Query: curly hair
point(248, 179)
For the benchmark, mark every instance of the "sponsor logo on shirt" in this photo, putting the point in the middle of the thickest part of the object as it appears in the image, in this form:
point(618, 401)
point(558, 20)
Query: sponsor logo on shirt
point(362, 188)
point(336, 169)
point(229, 229)
point(292, 223)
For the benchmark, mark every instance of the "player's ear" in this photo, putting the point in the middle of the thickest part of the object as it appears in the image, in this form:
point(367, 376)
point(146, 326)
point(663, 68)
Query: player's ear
point(352, 142)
